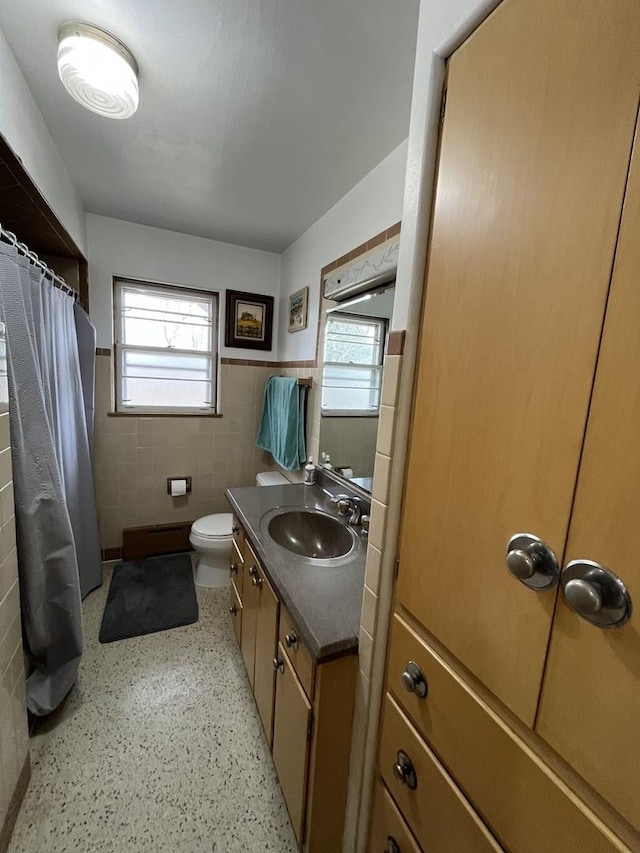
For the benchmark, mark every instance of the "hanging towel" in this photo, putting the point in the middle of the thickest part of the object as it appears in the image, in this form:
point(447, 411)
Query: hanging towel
point(281, 429)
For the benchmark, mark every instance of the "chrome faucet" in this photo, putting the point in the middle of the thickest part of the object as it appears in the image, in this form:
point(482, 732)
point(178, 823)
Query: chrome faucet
point(348, 505)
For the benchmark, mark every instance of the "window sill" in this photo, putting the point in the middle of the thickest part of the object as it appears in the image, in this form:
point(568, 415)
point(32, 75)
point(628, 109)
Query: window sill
point(162, 415)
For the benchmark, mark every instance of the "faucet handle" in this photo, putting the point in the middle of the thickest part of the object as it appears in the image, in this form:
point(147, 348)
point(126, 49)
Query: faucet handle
point(343, 503)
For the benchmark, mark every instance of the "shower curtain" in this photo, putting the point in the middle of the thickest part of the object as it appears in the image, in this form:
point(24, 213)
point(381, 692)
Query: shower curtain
point(50, 401)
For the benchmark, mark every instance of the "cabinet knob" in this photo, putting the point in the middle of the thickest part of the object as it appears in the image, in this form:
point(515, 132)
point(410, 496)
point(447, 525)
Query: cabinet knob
point(532, 562)
point(234, 568)
point(414, 681)
point(291, 640)
point(404, 770)
point(392, 845)
point(233, 610)
point(253, 571)
point(235, 529)
point(596, 593)
point(278, 664)
point(256, 580)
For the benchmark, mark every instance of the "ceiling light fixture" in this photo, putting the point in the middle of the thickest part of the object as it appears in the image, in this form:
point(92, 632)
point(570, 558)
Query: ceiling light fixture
point(97, 70)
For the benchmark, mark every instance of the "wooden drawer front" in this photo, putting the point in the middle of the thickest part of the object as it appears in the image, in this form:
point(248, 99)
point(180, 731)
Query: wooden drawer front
point(236, 562)
point(438, 814)
point(238, 534)
point(297, 652)
point(235, 608)
point(388, 827)
point(528, 808)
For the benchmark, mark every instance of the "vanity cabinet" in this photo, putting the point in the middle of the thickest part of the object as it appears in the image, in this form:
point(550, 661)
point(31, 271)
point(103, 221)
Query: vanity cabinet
point(526, 418)
point(306, 707)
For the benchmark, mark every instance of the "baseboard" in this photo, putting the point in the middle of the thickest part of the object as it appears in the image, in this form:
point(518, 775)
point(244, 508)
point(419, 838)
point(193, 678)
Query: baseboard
point(109, 554)
point(14, 805)
point(141, 542)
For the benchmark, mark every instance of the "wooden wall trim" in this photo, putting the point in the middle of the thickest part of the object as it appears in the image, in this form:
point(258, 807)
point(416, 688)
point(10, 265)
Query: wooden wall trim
point(14, 804)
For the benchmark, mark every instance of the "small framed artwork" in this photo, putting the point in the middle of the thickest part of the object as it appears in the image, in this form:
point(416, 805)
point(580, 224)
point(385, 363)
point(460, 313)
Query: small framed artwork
point(298, 310)
point(249, 320)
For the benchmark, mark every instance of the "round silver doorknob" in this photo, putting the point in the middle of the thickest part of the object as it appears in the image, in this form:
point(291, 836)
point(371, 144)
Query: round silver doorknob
point(596, 593)
point(521, 564)
point(532, 561)
point(404, 771)
point(583, 596)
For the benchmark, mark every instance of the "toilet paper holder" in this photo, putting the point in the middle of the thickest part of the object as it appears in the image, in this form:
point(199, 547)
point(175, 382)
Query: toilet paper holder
point(171, 480)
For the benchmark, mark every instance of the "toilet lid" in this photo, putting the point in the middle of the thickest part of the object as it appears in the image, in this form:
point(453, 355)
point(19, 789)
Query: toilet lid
point(217, 526)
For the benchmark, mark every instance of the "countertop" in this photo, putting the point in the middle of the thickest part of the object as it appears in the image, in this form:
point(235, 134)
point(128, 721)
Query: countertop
point(324, 601)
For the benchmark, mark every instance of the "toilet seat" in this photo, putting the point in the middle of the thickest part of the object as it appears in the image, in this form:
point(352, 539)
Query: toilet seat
point(214, 527)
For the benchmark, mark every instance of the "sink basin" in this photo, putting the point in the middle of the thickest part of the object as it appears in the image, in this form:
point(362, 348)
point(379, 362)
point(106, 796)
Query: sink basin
point(310, 533)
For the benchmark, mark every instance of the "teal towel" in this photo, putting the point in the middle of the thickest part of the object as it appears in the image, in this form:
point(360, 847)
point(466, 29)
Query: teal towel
point(281, 429)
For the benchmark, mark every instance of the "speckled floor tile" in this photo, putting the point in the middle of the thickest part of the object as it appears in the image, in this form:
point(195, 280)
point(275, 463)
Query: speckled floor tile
point(159, 747)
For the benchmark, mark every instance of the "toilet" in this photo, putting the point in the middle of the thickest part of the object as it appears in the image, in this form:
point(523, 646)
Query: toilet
point(211, 537)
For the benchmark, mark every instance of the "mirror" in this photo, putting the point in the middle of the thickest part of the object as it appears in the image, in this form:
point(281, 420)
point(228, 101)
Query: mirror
point(354, 337)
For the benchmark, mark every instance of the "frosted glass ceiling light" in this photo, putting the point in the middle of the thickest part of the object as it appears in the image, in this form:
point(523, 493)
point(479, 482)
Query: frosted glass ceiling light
point(97, 70)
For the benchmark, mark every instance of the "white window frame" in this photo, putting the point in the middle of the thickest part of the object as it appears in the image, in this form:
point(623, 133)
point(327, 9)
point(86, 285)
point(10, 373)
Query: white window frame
point(120, 348)
point(358, 319)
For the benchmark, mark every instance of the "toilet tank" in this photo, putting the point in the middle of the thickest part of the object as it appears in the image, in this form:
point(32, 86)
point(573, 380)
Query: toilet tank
point(271, 478)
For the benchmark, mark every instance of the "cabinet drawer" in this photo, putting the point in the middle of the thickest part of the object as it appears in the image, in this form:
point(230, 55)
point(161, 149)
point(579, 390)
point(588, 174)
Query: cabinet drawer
point(235, 608)
point(527, 806)
point(238, 534)
point(438, 814)
point(236, 561)
point(297, 652)
point(388, 827)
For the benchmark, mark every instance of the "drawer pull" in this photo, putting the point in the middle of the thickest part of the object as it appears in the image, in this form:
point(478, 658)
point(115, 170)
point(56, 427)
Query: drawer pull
point(404, 770)
point(233, 610)
point(414, 681)
point(235, 529)
point(278, 664)
point(234, 568)
point(392, 845)
point(291, 640)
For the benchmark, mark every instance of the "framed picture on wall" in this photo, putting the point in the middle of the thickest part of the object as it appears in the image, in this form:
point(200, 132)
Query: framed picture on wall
point(298, 310)
point(248, 320)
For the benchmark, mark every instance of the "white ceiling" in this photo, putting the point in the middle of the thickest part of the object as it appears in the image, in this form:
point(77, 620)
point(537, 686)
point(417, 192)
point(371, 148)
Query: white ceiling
point(255, 116)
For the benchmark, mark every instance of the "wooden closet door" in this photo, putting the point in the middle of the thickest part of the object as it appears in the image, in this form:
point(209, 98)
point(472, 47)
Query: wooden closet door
point(590, 706)
point(538, 126)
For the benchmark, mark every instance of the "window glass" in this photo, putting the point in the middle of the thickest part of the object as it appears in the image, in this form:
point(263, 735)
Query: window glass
point(165, 348)
point(352, 365)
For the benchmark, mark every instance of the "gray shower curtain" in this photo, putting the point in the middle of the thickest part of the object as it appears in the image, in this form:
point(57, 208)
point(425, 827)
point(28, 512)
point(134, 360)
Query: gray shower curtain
point(56, 520)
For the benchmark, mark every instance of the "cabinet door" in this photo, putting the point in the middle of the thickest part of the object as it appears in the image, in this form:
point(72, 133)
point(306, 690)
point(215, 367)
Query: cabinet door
point(291, 741)
point(266, 641)
point(539, 121)
point(591, 694)
point(249, 611)
point(235, 609)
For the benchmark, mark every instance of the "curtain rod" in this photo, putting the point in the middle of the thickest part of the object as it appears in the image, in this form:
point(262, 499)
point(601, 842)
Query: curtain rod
point(10, 238)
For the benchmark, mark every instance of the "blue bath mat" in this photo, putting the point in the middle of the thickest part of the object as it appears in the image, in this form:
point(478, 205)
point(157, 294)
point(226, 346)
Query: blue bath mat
point(149, 595)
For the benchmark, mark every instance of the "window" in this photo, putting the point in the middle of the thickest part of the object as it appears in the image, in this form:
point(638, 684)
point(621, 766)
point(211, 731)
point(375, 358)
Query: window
point(353, 350)
point(165, 344)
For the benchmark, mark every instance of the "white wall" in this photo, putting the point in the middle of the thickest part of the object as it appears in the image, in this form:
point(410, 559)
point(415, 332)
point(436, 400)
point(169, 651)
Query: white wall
point(372, 205)
point(119, 248)
point(23, 127)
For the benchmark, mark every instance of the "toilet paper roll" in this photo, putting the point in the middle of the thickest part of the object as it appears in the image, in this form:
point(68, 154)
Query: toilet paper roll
point(178, 487)
point(347, 472)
